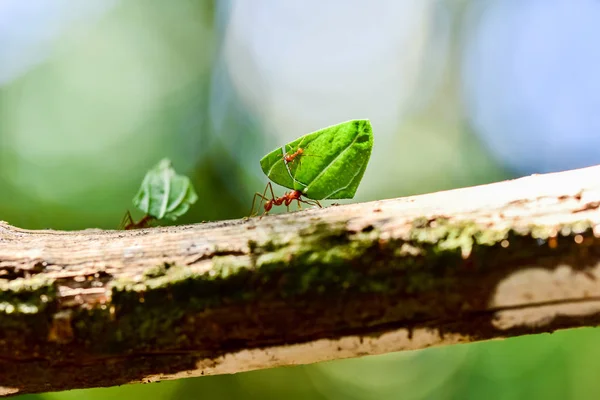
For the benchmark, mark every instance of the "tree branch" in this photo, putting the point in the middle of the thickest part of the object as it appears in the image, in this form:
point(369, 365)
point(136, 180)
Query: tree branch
point(100, 308)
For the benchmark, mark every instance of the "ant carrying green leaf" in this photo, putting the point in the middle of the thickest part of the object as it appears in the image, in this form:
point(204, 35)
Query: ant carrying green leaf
point(129, 223)
point(163, 194)
point(341, 153)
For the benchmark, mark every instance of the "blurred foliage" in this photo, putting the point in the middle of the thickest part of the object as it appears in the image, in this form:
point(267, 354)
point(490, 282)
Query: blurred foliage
point(110, 87)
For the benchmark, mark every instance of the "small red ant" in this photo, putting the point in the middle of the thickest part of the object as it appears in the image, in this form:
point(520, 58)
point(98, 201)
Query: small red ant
point(286, 199)
point(289, 158)
point(129, 223)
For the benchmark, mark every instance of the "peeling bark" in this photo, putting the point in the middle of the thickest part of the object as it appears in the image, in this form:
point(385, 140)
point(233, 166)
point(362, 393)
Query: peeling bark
point(101, 308)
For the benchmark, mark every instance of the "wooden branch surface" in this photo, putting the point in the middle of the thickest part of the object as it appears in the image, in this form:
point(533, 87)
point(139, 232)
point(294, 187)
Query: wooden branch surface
point(100, 308)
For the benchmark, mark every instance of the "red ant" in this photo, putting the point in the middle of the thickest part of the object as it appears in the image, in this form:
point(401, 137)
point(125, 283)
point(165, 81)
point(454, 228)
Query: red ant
point(286, 199)
point(289, 158)
point(129, 223)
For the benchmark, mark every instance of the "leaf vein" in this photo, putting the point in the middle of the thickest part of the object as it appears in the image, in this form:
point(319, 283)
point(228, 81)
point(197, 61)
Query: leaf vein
point(330, 163)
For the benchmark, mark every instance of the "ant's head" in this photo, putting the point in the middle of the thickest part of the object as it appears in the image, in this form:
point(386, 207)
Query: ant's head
point(294, 195)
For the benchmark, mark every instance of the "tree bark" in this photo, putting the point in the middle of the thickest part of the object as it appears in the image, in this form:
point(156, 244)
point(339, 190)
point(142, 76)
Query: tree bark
point(100, 308)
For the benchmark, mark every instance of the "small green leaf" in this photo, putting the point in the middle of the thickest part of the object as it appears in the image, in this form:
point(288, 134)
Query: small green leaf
point(165, 194)
point(332, 164)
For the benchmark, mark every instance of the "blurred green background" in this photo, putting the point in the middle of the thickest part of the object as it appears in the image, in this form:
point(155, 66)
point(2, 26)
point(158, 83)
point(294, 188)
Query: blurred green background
point(460, 92)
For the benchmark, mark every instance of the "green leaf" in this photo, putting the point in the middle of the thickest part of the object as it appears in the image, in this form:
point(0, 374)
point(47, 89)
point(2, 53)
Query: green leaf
point(332, 164)
point(165, 194)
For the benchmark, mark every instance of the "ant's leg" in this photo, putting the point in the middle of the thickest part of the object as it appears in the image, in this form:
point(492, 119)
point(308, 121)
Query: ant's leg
point(263, 197)
point(254, 202)
point(270, 187)
point(310, 202)
point(127, 221)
